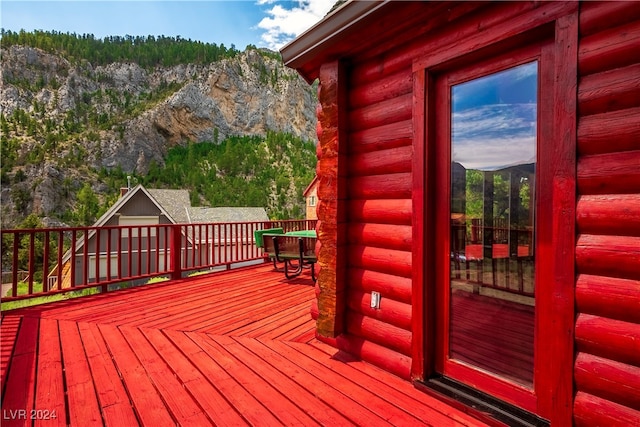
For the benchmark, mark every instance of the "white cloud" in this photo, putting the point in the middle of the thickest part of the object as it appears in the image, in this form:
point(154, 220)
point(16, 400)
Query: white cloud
point(492, 137)
point(283, 25)
point(495, 153)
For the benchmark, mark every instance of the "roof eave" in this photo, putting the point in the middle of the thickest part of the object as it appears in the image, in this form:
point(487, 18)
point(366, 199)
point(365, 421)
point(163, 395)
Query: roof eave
point(318, 39)
point(310, 186)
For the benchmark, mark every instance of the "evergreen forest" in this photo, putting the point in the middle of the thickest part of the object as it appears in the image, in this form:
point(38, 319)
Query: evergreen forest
point(239, 171)
point(37, 134)
point(150, 51)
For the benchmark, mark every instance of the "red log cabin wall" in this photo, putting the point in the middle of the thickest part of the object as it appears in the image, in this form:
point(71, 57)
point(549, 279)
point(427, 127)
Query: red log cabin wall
point(607, 330)
point(367, 180)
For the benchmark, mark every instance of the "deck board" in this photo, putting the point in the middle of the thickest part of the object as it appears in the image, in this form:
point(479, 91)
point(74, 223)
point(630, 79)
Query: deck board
point(219, 409)
point(322, 390)
point(363, 396)
point(184, 408)
point(112, 397)
point(318, 410)
point(232, 348)
point(10, 326)
point(278, 404)
point(146, 400)
point(50, 395)
point(244, 402)
point(19, 383)
point(79, 382)
point(391, 395)
point(435, 409)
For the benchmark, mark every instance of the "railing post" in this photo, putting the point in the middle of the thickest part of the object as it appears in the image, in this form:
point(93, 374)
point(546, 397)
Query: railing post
point(14, 268)
point(176, 251)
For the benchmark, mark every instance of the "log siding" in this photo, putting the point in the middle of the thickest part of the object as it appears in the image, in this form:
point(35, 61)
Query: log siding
point(385, 182)
point(378, 215)
point(607, 364)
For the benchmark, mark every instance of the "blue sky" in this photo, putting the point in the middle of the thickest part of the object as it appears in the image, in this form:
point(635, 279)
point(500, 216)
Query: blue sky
point(264, 23)
point(495, 119)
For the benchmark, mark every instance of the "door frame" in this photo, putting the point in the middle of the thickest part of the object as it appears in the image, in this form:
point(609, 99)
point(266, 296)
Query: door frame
point(553, 383)
point(517, 395)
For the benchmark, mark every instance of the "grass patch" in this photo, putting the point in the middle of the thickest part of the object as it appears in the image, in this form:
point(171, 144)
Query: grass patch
point(199, 273)
point(23, 289)
point(157, 279)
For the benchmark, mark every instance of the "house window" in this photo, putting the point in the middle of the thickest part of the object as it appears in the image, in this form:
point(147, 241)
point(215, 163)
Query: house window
point(113, 266)
point(312, 200)
point(138, 224)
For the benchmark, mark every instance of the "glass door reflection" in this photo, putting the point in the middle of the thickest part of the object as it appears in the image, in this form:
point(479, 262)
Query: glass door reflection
point(493, 162)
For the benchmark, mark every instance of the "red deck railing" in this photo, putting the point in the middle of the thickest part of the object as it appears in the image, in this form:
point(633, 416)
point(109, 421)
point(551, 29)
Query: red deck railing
point(59, 260)
point(500, 257)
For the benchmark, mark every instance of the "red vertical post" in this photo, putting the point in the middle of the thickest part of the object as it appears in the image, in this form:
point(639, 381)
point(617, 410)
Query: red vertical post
point(157, 257)
point(206, 240)
point(32, 256)
point(193, 243)
point(14, 267)
point(236, 241)
point(60, 266)
point(175, 247)
point(200, 239)
point(108, 252)
point(139, 249)
point(72, 280)
point(423, 328)
point(97, 252)
point(119, 251)
point(45, 262)
point(129, 250)
point(148, 240)
point(85, 257)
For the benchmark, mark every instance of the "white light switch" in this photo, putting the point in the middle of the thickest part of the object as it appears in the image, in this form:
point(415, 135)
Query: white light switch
point(375, 299)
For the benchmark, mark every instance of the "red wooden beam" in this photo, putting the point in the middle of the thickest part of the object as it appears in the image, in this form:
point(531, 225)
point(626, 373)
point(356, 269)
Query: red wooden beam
point(595, 132)
point(607, 379)
point(612, 339)
point(589, 410)
point(609, 297)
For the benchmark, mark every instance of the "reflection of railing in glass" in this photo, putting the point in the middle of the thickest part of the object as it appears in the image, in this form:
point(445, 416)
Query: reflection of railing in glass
point(505, 270)
point(492, 289)
point(491, 231)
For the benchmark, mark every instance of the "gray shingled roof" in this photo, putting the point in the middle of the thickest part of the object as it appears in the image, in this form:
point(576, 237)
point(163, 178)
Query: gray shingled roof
point(224, 215)
point(175, 202)
point(227, 214)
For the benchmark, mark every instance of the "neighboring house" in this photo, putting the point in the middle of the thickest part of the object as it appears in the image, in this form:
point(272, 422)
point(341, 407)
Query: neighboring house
point(480, 190)
point(141, 206)
point(311, 198)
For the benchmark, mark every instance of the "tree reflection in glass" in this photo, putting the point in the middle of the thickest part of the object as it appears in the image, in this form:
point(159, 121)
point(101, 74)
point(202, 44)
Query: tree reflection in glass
point(493, 160)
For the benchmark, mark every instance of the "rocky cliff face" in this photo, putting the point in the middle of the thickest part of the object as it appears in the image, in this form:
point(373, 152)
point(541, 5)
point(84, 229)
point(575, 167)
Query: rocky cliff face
point(81, 118)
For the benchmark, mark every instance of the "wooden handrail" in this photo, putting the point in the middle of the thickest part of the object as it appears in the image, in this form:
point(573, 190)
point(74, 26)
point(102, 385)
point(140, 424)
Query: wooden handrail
point(59, 260)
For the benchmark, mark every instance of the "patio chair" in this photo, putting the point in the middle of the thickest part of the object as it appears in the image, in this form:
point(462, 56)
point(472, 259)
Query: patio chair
point(262, 241)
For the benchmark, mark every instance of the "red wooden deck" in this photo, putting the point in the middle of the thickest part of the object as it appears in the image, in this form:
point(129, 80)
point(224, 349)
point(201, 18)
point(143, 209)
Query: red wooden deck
point(233, 348)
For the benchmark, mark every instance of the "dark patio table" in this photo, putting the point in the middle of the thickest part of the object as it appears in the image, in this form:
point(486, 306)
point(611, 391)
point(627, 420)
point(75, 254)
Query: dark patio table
point(295, 249)
point(302, 233)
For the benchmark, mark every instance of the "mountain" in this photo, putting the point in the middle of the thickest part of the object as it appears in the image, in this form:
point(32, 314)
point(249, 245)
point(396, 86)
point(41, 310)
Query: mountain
point(67, 122)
